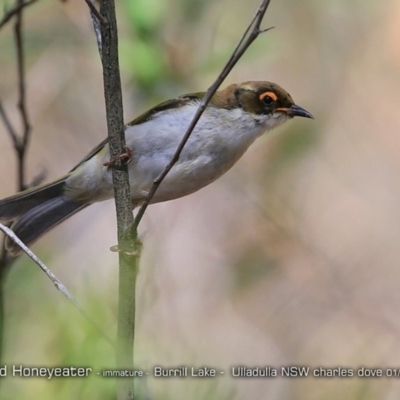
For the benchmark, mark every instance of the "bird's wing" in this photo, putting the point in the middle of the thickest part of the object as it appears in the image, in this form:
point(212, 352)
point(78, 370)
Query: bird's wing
point(146, 116)
point(166, 105)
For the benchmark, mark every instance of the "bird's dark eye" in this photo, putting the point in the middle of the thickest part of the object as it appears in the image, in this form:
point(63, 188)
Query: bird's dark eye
point(268, 98)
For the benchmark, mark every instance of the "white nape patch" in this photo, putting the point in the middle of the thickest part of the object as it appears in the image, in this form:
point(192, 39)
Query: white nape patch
point(247, 87)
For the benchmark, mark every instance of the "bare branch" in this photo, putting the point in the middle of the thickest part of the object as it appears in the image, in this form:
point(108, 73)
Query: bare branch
point(244, 43)
point(15, 10)
point(23, 143)
point(57, 283)
point(21, 78)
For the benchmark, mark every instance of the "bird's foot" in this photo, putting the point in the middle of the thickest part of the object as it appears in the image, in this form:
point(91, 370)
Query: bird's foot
point(125, 157)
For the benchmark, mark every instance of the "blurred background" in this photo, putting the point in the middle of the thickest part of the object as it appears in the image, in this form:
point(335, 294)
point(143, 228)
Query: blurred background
point(292, 258)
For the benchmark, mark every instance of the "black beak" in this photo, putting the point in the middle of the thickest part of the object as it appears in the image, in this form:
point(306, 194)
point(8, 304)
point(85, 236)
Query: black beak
point(297, 111)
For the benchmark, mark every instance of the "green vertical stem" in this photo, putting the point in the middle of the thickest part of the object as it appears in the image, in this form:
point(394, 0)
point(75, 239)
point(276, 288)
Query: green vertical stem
point(128, 253)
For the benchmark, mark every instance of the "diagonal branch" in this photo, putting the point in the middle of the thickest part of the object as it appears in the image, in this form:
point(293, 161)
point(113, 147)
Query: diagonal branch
point(57, 283)
point(15, 10)
point(244, 43)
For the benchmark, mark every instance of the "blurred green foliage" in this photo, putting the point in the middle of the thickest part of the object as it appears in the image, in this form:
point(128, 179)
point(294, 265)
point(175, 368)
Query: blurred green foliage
point(149, 54)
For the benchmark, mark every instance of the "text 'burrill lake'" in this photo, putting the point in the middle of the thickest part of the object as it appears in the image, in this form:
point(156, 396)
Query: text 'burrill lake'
point(185, 371)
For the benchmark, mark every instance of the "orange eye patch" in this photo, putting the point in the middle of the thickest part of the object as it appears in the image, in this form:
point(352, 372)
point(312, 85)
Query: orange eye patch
point(273, 96)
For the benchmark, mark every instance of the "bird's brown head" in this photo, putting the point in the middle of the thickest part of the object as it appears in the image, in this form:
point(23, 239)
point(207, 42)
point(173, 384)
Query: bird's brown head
point(260, 98)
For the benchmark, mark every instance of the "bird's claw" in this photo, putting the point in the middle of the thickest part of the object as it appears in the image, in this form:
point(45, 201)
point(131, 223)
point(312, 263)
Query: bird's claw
point(125, 157)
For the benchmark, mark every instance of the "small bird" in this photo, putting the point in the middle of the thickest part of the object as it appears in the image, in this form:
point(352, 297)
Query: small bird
point(234, 118)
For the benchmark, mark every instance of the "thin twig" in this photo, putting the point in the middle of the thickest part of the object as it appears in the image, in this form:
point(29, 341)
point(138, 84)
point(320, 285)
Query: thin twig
point(23, 143)
point(57, 283)
point(97, 20)
point(15, 10)
point(244, 43)
point(21, 78)
point(95, 11)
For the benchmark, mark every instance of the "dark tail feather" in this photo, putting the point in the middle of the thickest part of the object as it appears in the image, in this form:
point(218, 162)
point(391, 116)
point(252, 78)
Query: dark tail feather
point(36, 211)
point(36, 222)
point(14, 206)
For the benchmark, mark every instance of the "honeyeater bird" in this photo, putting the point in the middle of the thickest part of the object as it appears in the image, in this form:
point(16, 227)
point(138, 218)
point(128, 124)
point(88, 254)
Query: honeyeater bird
point(235, 117)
